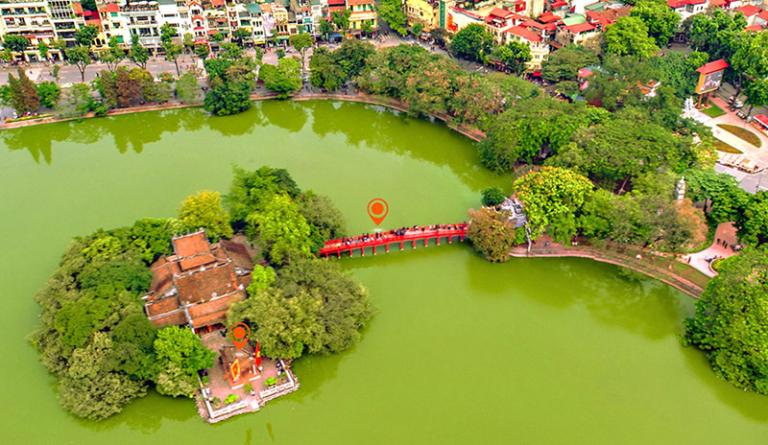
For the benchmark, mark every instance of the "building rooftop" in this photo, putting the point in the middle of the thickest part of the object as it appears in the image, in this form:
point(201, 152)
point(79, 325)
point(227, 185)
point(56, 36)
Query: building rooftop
point(711, 67)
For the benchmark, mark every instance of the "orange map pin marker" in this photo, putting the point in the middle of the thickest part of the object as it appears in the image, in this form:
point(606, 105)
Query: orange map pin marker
point(378, 210)
point(239, 334)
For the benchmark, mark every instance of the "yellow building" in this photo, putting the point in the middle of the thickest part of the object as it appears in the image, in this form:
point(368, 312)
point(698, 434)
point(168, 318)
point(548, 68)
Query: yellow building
point(424, 12)
point(362, 13)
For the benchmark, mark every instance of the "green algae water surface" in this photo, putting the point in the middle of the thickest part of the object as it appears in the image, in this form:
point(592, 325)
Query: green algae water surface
point(460, 350)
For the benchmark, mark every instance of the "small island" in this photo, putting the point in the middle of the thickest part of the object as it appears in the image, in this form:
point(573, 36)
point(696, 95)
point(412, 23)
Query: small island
point(149, 306)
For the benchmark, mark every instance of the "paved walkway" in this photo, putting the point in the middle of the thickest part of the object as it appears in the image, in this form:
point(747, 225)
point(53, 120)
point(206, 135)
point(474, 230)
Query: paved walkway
point(722, 247)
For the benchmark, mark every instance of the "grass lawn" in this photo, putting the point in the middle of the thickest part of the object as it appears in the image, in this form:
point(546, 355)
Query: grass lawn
point(713, 111)
point(722, 146)
point(742, 133)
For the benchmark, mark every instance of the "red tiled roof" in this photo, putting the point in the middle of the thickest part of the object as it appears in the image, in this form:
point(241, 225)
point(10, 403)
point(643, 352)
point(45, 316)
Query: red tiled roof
point(536, 25)
point(77, 8)
point(525, 33)
point(194, 250)
point(359, 2)
point(549, 17)
point(336, 3)
point(559, 4)
point(762, 118)
point(754, 28)
point(711, 67)
point(763, 14)
point(580, 27)
point(748, 10)
point(202, 285)
point(674, 4)
point(111, 7)
point(217, 3)
point(717, 2)
point(498, 12)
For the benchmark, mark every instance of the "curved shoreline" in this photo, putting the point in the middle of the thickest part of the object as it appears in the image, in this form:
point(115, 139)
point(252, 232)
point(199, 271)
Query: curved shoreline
point(471, 132)
point(555, 251)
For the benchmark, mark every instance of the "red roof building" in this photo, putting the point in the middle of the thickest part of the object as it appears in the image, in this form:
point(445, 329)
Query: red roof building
point(549, 17)
point(198, 283)
point(754, 28)
point(711, 67)
point(675, 4)
point(749, 10)
point(525, 33)
point(580, 28)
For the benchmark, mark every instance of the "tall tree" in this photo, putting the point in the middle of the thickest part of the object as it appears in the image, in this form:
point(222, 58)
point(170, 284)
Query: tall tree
point(138, 53)
point(23, 94)
point(43, 50)
point(552, 199)
point(180, 354)
point(300, 43)
point(730, 320)
point(15, 43)
point(629, 36)
point(474, 42)
point(513, 56)
point(660, 19)
point(282, 229)
point(204, 210)
point(284, 79)
point(565, 63)
point(393, 14)
point(492, 233)
point(80, 56)
point(85, 35)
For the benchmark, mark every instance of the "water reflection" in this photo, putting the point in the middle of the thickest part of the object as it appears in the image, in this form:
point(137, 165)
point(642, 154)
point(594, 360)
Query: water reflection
point(360, 125)
point(147, 414)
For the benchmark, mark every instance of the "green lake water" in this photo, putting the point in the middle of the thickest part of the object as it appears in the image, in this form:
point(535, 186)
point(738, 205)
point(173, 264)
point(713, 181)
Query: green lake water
point(460, 351)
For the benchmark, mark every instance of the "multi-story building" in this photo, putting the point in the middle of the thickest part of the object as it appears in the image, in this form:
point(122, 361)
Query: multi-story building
point(423, 12)
point(687, 8)
point(176, 14)
point(535, 40)
point(362, 15)
point(29, 19)
point(67, 17)
point(143, 21)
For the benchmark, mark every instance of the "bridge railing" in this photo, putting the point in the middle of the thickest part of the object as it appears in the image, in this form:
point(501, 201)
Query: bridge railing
point(343, 245)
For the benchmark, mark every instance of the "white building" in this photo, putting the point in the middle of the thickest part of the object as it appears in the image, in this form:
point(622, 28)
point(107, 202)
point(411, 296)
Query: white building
point(29, 19)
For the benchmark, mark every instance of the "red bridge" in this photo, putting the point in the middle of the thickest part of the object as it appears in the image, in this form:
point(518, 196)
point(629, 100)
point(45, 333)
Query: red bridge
point(397, 236)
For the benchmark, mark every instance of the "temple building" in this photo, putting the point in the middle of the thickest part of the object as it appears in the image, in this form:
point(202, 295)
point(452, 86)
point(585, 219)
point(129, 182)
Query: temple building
point(198, 283)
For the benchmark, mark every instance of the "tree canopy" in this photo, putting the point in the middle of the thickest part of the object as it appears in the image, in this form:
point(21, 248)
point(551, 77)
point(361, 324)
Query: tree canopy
point(204, 210)
point(730, 320)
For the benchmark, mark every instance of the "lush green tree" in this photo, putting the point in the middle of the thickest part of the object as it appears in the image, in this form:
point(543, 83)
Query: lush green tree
point(325, 29)
point(43, 50)
point(15, 43)
point(325, 72)
point(49, 93)
point(325, 221)
point(565, 63)
point(753, 221)
point(239, 36)
point(552, 199)
point(513, 55)
point(474, 42)
point(188, 90)
point(757, 93)
point(172, 53)
point(393, 14)
point(620, 149)
point(23, 94)
point(91, 388)
point(202, 51)
point(282, 229)
point(660, 19)
point(719, 194)
point(717, 33)
point(167, 34)
point(340, 20)
point(138, 53)
point(79, 56)
point(262, 278)
point(678, 71)
point(492, 234)
point(729, 324)
point(77, 101)
point(250, 191)
point(285, 326)
point(85, 35)
point(629, 36)
point(180, 354)
point(204, 210)
point(113, 55)
point(284, 79)
point(300, 42)
point(226, 98)
point(493, 196)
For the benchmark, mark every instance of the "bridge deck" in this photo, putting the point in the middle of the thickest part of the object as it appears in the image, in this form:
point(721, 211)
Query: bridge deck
point(399, 236)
